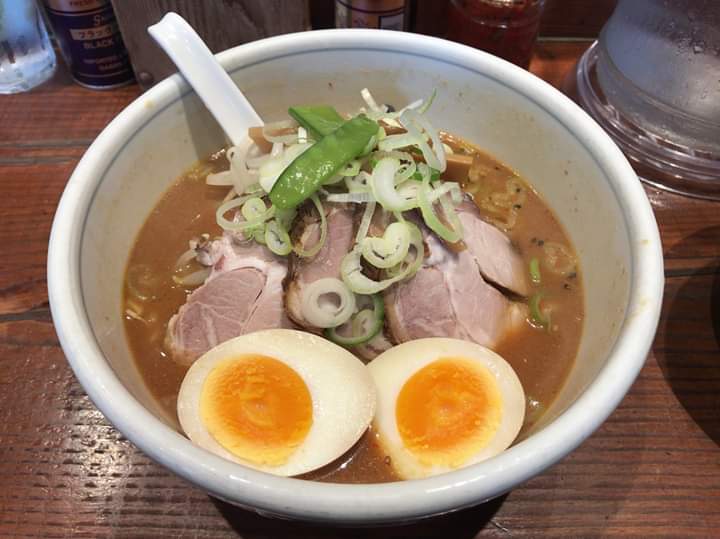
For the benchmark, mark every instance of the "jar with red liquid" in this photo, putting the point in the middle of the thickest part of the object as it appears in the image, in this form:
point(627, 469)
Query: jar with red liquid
point(505, 28)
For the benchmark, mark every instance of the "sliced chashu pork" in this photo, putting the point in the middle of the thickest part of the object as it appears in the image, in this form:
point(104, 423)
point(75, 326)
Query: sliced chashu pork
point(242, 294)
point(326, 263)
point(497, 259)
point(448, 296)
point(342, 221)
point(383, 340)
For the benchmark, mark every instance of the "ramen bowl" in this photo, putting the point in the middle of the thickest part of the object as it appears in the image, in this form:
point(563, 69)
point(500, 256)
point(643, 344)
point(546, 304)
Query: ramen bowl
point(515, 116)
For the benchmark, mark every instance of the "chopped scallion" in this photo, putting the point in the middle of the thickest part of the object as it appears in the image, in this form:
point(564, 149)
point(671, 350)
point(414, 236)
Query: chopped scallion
point(535, 276)
point(537, 316)
point(365, 325)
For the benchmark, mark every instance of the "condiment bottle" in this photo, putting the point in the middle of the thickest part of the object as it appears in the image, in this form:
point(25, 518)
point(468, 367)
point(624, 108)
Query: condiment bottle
point(506, 28)
point(91, 43)
point(384, 14)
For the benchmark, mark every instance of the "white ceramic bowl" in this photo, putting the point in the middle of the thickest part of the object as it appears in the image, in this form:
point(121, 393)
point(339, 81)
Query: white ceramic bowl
point(514, 115)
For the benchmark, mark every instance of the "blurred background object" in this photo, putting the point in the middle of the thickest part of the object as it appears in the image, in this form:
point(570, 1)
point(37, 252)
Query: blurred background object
point(27, 58)
point(505, 28)
point(322, 14)
point(221, 25)
point(575, 18)
point(429, 18)
point(383, 14)
point(567, 19)
point(90, 41)
point(232, 22)
point(652, 80)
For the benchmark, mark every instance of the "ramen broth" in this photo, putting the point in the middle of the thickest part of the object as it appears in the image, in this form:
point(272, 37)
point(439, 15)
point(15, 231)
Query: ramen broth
point(541, 357)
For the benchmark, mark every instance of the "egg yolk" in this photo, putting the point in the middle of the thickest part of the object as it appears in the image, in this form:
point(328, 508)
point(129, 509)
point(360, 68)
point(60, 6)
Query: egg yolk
point(256, 407)
point(448, 411)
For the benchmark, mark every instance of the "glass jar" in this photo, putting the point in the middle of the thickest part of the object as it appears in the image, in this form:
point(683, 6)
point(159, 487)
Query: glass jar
point(505, 28)
point(26, 57)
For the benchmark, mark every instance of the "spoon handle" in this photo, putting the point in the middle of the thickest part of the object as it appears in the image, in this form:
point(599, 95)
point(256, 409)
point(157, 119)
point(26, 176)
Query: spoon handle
point(221, 96)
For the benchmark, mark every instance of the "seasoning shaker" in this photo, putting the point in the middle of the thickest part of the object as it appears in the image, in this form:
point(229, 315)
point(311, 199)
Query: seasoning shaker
point(91, 43)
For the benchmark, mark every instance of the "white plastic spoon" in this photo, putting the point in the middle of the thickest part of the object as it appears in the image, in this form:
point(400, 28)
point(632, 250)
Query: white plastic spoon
point(223, 99)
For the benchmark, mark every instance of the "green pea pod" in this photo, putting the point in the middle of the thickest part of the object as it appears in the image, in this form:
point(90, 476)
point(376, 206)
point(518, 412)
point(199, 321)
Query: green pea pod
point(320, 120)
point(311, 169)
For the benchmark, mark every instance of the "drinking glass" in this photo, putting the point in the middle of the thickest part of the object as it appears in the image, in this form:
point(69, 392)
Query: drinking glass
point(26, 56)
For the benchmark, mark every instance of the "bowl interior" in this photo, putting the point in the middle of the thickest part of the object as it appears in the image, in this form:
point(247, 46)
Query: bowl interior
point(506, 123)
point(497, 106)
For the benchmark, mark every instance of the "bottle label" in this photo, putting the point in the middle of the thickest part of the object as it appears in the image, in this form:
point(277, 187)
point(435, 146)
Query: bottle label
point(90, 40)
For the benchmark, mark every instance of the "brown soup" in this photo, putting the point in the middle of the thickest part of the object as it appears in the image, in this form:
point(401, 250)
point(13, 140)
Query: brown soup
point(541, 357)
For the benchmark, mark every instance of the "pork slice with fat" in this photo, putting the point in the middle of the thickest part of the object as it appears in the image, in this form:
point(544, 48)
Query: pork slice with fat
point(495, 255)
point(242, 294)
point(448, 297)
point(326, 263)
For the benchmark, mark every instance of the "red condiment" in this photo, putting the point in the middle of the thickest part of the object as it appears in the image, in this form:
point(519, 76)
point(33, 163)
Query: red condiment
point(506, 28)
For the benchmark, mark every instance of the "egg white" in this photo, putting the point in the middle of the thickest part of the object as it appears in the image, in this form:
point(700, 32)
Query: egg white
point(342, 391)
point(392, 369)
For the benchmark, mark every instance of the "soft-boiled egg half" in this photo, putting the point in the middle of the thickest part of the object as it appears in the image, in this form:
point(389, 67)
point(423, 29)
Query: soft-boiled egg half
point(444, 404)
point(281, 401)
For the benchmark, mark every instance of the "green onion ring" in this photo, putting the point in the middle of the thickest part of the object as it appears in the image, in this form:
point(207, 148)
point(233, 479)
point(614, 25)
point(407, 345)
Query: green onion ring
point(377, 317)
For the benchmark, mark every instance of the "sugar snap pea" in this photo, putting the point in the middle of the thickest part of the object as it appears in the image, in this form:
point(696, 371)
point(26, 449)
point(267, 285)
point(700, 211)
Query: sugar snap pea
point(319, 120)
point(307, 173)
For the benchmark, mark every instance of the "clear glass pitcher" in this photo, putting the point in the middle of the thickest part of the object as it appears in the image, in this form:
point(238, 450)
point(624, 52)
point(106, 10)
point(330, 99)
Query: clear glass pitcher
point(652, 80)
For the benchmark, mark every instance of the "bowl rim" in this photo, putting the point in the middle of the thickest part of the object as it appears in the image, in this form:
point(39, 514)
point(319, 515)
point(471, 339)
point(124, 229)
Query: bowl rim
point(352, 503)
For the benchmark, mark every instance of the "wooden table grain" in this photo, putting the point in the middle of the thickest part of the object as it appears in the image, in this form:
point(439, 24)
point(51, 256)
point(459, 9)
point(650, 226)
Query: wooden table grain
point(653, 469)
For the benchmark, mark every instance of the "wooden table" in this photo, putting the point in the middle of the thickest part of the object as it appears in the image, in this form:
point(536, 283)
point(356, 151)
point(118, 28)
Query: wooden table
point(652, 469)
